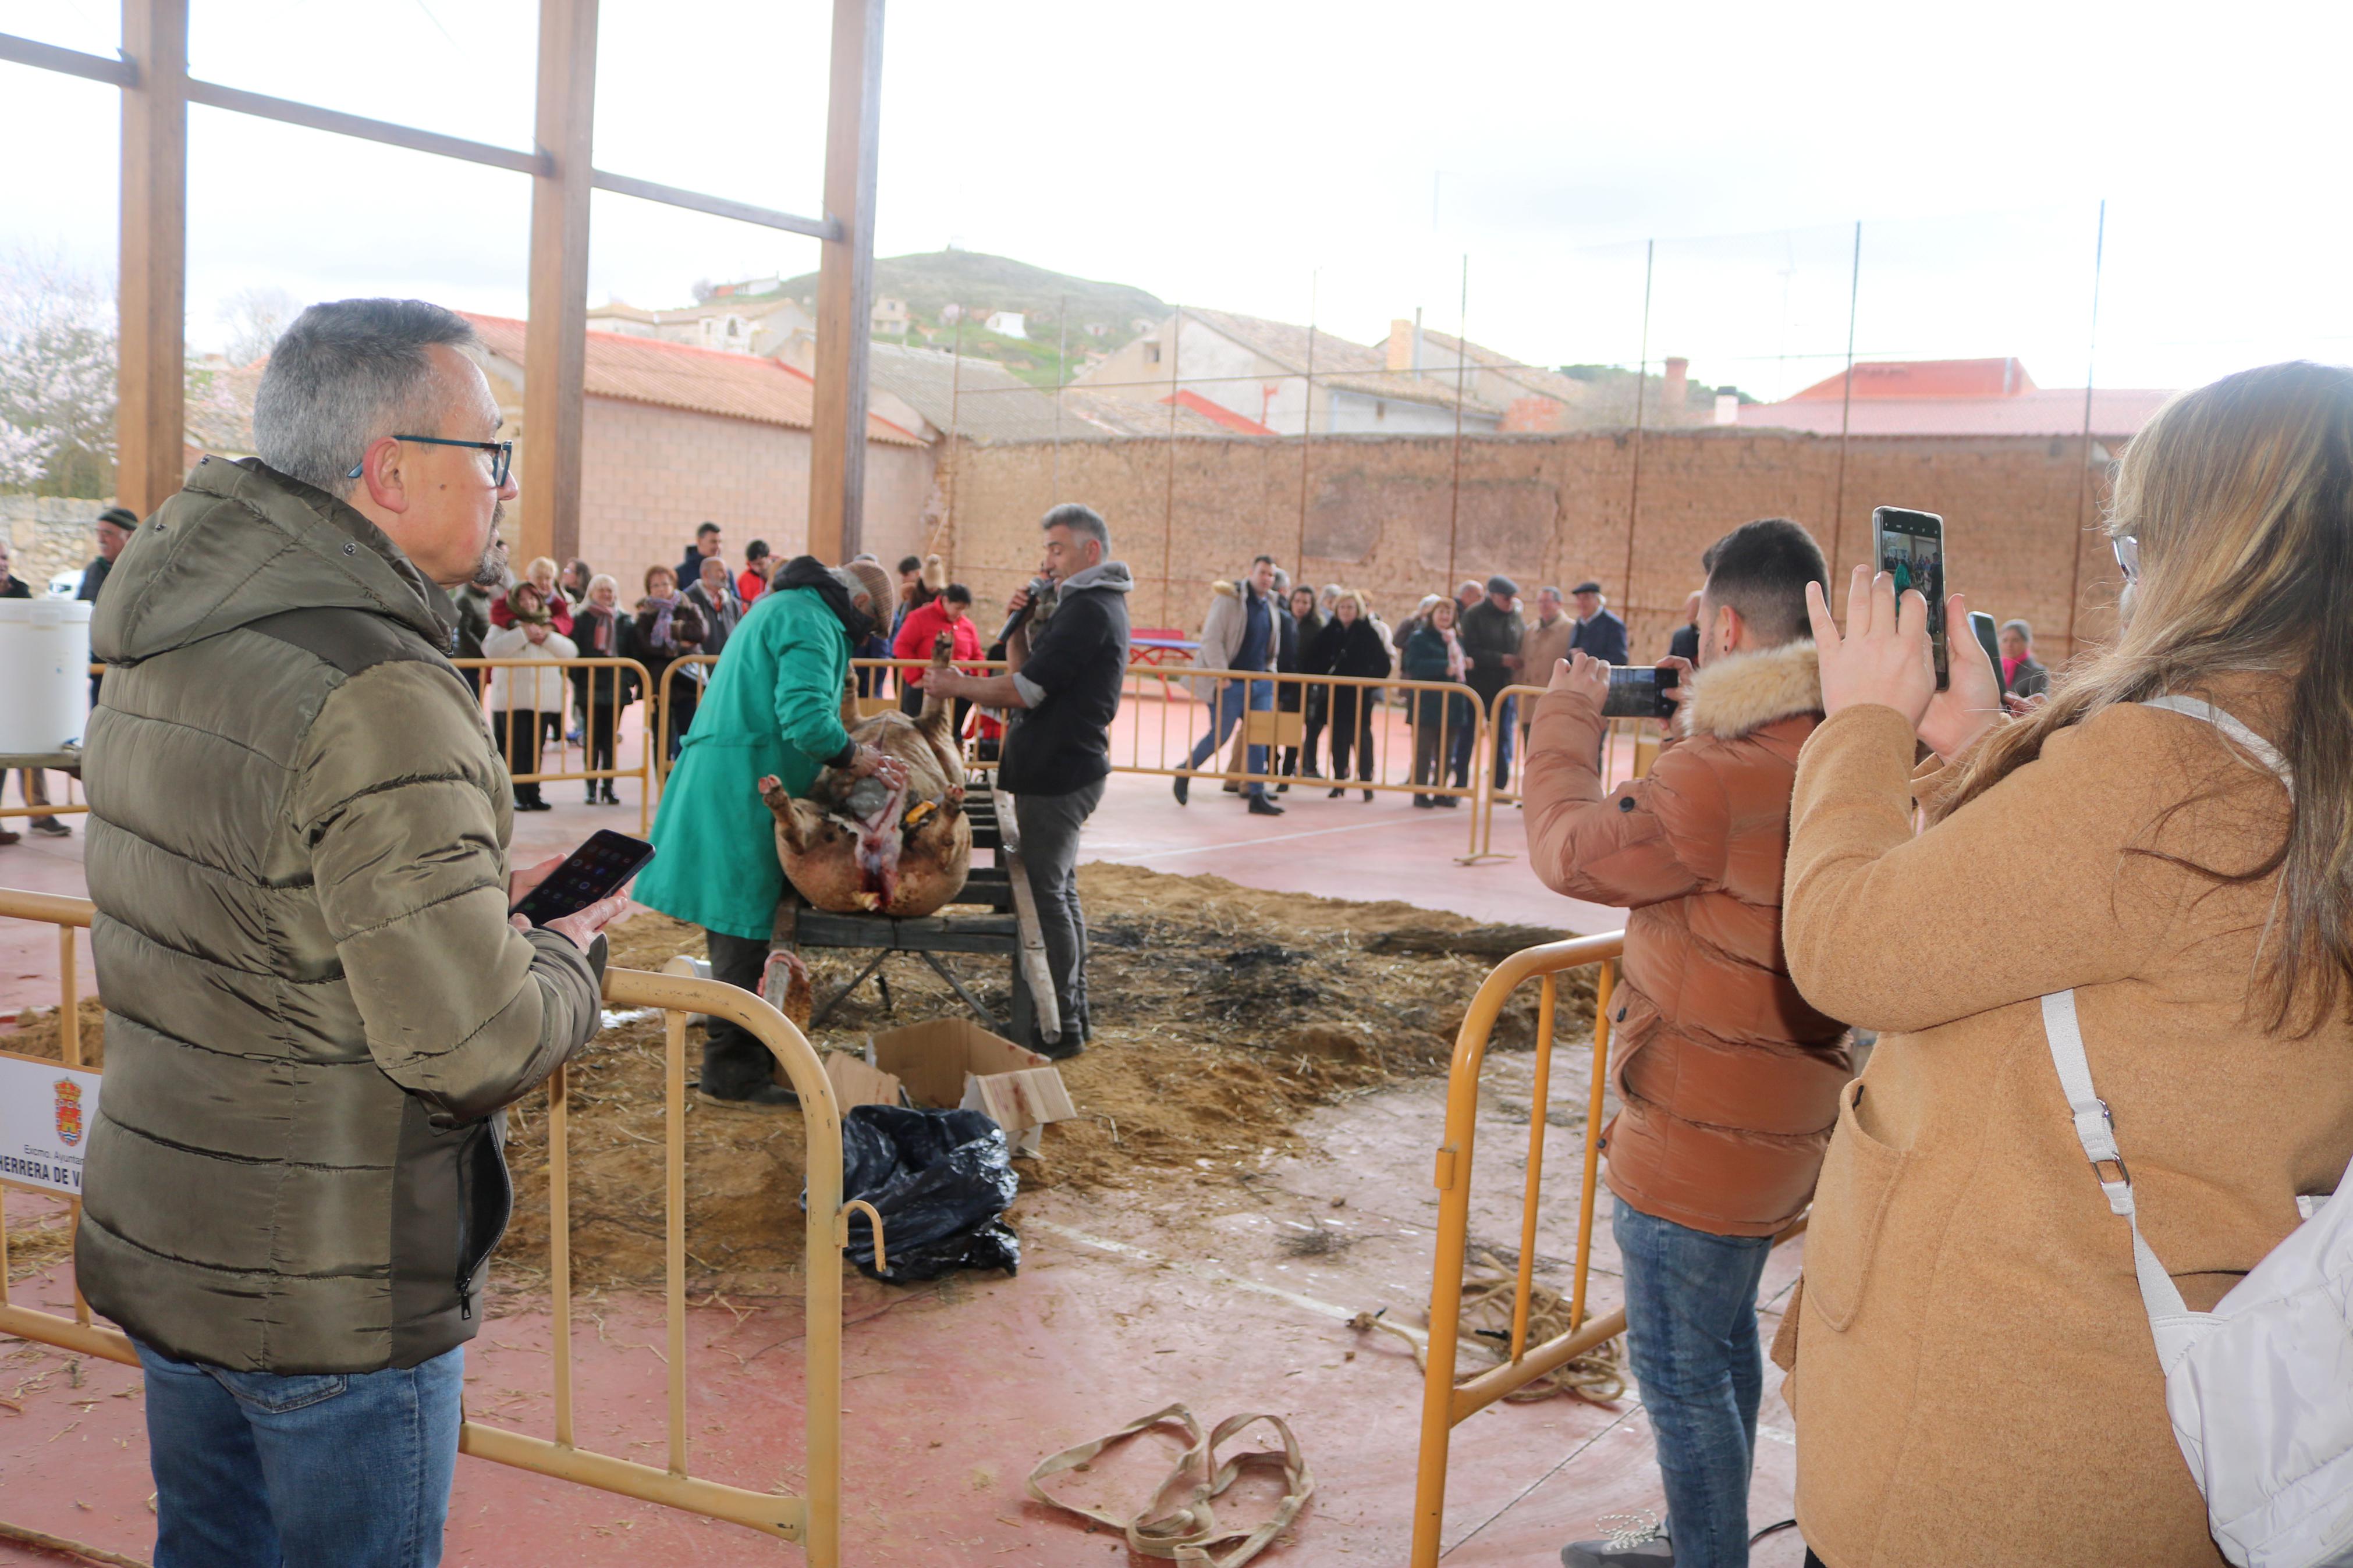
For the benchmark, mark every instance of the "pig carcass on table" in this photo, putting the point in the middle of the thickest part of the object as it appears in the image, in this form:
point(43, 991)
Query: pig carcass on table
point(861, 847)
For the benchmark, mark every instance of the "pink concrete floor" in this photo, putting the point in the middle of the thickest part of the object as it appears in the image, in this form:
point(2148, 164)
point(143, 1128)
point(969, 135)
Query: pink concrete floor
point(1127, 1301)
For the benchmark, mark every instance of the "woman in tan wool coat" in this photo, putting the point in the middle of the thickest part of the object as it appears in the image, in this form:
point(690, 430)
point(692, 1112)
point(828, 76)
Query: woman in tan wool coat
point(1972, 1374)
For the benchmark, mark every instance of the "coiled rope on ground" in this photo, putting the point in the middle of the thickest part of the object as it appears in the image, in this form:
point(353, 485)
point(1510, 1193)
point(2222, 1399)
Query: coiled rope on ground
point(1485, 1325)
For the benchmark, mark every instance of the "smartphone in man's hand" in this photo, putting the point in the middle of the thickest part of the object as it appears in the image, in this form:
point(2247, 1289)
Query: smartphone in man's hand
point(597, 869)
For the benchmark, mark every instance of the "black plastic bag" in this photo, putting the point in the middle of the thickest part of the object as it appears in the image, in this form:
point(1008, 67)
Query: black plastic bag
point(939, 1179)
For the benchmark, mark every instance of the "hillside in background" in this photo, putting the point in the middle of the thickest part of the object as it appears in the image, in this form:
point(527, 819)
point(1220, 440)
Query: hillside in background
point(1101, 316)
point(932, 281)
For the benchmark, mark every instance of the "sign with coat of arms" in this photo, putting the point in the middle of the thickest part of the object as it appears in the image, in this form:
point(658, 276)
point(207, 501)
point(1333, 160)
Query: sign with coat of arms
point(45, 1114)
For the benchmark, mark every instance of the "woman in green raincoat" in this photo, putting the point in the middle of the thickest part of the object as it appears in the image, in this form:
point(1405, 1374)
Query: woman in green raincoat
point(774, 705)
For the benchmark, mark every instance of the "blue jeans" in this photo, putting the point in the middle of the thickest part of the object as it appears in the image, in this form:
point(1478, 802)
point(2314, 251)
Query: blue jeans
point(1691, 1336)
point(345, 1470)
point(1230, 701)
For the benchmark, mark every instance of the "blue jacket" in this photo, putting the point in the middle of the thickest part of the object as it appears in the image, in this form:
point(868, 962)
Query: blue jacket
point(1602, 638)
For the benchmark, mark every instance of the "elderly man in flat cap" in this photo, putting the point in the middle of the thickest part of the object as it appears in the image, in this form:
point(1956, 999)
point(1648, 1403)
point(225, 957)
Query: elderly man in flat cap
point(1599, 634)
point(1492, 634)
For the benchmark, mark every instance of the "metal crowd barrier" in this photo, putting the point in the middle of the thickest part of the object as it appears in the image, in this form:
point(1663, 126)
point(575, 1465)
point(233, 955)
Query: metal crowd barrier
point(1642, 735)
point(814, 1520)
point(513, 747)
point(1387, 724)
point(684, 670)
point(1445, 1402)
point(510, 747)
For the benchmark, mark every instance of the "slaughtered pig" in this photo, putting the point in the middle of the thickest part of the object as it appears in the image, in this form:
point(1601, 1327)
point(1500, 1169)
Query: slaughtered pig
point(859, 846)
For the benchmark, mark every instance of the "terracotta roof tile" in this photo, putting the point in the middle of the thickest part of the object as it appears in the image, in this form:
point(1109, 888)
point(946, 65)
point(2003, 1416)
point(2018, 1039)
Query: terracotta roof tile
point(2117, 413)
point(676, 375)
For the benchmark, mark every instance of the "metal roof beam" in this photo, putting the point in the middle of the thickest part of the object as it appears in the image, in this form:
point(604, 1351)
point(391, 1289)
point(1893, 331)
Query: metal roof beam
point(124, 73)
point(823, 228)
point(310, 116)
point(72, 62)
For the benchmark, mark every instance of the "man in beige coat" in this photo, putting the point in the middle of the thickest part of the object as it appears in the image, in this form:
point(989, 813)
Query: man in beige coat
point(1545, 644)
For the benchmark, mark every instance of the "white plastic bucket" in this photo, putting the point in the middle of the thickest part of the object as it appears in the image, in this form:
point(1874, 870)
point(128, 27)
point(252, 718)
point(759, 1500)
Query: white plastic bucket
point(44, 672)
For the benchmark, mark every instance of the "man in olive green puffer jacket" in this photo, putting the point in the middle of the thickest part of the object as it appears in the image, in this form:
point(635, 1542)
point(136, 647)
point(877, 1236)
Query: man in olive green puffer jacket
point(317, 1004)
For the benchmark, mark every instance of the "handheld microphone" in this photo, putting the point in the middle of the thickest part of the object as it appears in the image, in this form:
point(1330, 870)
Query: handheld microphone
point(1039, 588)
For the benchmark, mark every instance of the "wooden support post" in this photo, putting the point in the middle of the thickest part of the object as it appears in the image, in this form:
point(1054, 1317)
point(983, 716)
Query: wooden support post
point(555, 346)
point(151, 308)
point(845, 284)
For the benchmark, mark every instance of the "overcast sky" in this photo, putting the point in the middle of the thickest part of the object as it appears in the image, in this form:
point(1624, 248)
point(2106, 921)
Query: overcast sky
point(1274, 158)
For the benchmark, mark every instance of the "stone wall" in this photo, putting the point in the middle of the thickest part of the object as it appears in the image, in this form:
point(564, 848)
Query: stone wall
point(1389, 515)
point(650, 474)
point(47, 535)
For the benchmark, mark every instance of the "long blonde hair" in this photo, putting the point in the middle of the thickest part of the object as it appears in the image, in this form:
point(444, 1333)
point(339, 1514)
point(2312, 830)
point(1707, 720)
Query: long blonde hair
point(2241, 495)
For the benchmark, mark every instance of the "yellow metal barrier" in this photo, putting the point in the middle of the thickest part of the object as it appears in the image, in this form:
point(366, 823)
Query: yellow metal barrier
point(1641, 734)
point(814, 1520)
point(1392, 765)
point(617, 668)
point(1445, 1404)
point(658, 726)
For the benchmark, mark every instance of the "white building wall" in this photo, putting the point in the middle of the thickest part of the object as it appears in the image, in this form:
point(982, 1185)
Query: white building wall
point(1350, 413)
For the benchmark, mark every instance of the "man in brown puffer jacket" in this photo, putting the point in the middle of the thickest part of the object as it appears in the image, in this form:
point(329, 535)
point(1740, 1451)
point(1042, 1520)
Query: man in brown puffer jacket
point(1728, 1081)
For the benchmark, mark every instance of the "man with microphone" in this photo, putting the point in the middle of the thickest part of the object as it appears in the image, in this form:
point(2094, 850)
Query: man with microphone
point(1067, 645)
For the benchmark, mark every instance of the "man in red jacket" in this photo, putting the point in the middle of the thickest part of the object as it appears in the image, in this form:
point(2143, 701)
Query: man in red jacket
point(1728, 1081)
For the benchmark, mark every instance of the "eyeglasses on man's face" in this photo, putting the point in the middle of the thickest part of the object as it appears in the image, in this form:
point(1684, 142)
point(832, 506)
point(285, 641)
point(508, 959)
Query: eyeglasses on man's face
point(502, 455)
point(2128, 550)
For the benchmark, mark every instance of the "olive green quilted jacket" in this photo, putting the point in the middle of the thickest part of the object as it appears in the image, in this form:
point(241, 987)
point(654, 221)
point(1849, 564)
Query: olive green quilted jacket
point(315, 1008)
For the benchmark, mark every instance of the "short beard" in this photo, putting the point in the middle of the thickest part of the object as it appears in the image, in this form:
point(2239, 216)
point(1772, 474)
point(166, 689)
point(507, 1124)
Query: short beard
point(490, 570)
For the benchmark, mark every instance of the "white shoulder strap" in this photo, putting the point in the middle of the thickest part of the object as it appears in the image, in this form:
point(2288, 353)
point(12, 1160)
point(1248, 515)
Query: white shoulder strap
point(2169, 1319)
point(2263, 750)
point(2098, 1133)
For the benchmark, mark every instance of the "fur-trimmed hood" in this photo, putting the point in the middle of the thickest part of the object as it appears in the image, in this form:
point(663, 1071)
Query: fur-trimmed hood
point(1747, 692)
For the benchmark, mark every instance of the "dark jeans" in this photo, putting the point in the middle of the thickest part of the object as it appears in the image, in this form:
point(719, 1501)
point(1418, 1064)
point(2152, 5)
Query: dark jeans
point(1319, 713)
point(1352, 727)
point(342, 1470)
point(518, 743)
point(1049, 827)
point(601, 722)
point(1691, 1338)
point(736, 1061)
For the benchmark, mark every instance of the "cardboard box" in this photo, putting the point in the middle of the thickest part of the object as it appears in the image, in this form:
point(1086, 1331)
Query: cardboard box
point(954, 1063)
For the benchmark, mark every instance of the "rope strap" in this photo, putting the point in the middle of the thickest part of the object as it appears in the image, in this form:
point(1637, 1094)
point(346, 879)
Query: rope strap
point(1179, 1524)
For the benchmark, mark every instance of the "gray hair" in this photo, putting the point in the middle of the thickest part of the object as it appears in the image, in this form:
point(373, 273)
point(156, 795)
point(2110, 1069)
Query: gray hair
point(345, 374)
point(1080, 519)
point(2020, 627)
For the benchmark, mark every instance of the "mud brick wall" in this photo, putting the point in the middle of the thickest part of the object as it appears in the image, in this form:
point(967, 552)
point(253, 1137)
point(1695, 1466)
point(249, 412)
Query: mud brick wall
point(48, 534)
point(1399, 517)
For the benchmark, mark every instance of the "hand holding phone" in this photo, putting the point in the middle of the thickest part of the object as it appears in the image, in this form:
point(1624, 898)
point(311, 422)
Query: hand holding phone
point(1909, 546)
point(1881, 658)
point(589, 876)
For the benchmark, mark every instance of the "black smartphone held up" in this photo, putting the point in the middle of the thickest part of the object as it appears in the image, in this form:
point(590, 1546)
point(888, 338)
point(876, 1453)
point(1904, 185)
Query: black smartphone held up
point(1635, 693)
point(1909, 546)
point(1989, 638)
point(597, 869)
